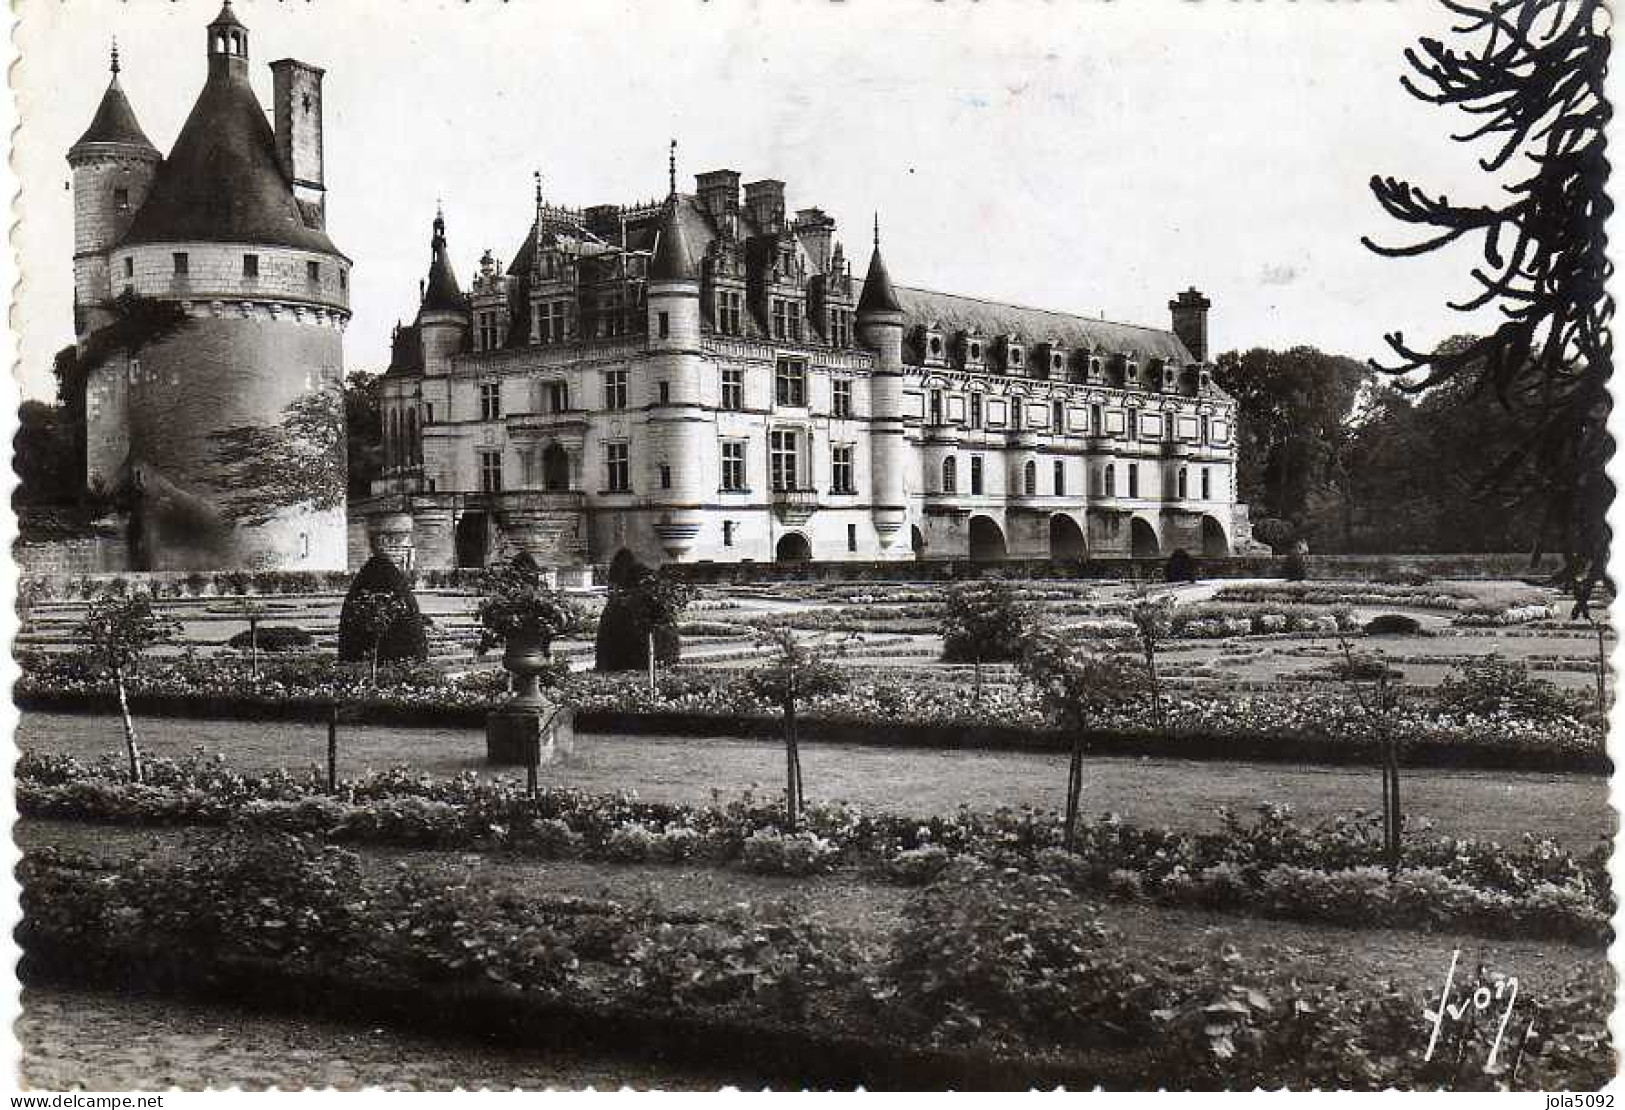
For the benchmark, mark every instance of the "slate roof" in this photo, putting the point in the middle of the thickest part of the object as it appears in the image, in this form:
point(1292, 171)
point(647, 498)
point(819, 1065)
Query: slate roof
point(114, 121)
point(442, 291)
point(673, 260)
point(223, 182)
point(878, 294)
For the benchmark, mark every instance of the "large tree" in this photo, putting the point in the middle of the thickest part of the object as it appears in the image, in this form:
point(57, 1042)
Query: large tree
point(1297, 411)
point(1530, 74)
point(298, 462)
point(49, 469)
point(364, 430)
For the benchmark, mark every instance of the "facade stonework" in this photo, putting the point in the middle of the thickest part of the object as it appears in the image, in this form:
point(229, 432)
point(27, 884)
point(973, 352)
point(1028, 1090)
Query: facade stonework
point(704, 380)
point(228, 230)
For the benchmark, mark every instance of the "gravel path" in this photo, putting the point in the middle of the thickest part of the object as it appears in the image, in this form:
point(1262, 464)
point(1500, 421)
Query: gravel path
point(1500, 805)
point(79, 1039)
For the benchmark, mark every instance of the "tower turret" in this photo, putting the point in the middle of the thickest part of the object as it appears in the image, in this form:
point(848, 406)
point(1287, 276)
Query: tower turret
point(113, 165)
point(228, 46)
point(880, 328)
point(679, 460)
point(443, 315)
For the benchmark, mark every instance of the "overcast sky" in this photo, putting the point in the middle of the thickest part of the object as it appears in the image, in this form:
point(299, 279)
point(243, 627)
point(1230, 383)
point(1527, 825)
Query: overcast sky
point(1089, 157)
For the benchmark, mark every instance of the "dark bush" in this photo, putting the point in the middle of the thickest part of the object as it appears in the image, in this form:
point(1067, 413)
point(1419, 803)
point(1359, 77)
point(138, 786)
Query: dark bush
point(405, 639)
point(1293, 567)
point(640, 601)
point(276, 637)
point(1390, 624)
point(984, 622)
point(1494, 685)
point(1402, 576)
point(1181, 567)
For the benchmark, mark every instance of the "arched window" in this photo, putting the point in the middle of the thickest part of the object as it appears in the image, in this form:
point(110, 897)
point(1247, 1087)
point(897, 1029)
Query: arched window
point(950, 474)
point(1060, 478)
point(1111, 480)
point(1029, 479)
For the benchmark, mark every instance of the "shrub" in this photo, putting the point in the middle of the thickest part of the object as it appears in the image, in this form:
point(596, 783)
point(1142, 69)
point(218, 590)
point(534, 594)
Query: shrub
point(1492, 685)
point(1392, 624)
point(774, 853)
point(275, 637)
point(403, 639)
point(1181, 567)
point(983, 622)
point(1293, 567)
point(641, 601)
point(1402, 576)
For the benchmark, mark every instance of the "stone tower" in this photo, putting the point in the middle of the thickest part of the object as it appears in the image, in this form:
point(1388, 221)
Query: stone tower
point(880, 328)
point(222, 431)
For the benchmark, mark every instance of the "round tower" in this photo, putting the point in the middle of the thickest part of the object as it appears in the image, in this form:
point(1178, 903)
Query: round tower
point(681, 463)
point(880, 328)
point(113, 165)
point(443, 314)
point(235, 419)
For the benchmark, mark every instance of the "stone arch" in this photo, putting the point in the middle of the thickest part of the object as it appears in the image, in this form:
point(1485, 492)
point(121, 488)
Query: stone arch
point(1143, 539)
point(620, 567)
point(1066, 538)
point(1215, 544)
point(555, 467)
point(987, 543)
point(793, 547)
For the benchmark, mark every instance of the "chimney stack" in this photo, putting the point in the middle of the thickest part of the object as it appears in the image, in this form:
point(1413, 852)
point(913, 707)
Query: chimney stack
point(296, 94)
point(764, 201)
point(1190, 321)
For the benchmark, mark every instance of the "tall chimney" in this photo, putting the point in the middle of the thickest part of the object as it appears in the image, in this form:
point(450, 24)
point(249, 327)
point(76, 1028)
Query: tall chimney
point(297, 100)
point(1190, 321)
point(764, 201)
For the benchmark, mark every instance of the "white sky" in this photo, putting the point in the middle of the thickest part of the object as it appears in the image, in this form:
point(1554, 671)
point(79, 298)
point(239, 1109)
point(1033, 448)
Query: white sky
point(1091, 157)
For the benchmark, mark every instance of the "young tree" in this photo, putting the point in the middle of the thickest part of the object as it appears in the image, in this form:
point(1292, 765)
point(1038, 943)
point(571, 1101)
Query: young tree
point(794, 671)
point(376, 612)
point(1153, 623)
point(253, 612)
point(1076, 689)
point(1375, 687)
point(983, 622)
point(1530, 75)
point(116, 632)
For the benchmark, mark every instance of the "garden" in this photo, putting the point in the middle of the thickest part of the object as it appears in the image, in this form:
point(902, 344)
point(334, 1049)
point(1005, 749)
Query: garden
point(907, 901)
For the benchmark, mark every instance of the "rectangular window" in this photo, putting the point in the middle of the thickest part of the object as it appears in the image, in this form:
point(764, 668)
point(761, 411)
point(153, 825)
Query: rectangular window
point(615, 389)
point(792, 310)
point(491, 471)
point(183, 264)
point(617, 468)
point(313, 271)
point(129, 266)
point(936, 406)
point(733, 465)
point(851, 537)
point(665, 476)
point(1133, 480)
point(1134, 424)
point(1094, 420)
point(781, 323)
point(842, 477)
point(665, 325)
point(1060, 478)
point(976, 475)
point(558, 396)
point(490, 400)
point(790, 383)
point(733, 388)
point(841, 398)
point(727, 533)
point(344, 278)
point(840, 327)
point(976, 410)
point(729, 305)
point(251, 265)
point(121, 198)
point(784, 455)
point(1207, 486)
point(428, 413)
point(665, 393)
point(1205, 430)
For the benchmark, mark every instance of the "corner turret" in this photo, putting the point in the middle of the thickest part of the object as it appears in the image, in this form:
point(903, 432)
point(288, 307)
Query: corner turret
point(443, 315)
point(880, 328)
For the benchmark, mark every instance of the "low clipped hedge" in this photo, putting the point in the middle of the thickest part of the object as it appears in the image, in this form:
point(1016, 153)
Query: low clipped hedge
point(273, 638)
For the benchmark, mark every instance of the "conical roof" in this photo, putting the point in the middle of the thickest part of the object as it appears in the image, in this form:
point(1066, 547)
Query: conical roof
point(442, 292)
point(115, 121)
point(878, 294)
point(673, 260)
point(223, 182)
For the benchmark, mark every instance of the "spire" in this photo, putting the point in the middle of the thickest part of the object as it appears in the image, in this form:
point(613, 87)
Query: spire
point(671, 170)
point(878, 294)
point(114, 121)
point(673, 260)
point(442, 292)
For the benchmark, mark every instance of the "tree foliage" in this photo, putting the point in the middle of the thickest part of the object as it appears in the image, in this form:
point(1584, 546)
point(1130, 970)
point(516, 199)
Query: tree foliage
point(363, 431)
point(983, 622)
point(118, 629)
point(46, 456)
point(641, 601)
point(404, 637)
point(1530, 74)
point(296, 463)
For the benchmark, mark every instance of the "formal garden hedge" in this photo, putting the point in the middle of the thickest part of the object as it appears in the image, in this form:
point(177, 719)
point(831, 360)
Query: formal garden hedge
point(1271, 865)
point(283, 917)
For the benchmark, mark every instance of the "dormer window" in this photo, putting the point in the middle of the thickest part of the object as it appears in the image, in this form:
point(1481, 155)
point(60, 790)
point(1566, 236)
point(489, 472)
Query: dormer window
point(932, 347)
point(1131, 373)
point(1013, 354)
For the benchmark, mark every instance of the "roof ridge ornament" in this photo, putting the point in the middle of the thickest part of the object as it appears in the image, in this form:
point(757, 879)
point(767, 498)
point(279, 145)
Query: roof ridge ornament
point(671, 170)
point(114, 65)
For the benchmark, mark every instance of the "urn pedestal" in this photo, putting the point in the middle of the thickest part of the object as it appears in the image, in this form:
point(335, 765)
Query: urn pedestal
point(529, 730)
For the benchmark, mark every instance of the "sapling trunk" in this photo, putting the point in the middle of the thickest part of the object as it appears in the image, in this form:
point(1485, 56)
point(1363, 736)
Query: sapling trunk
point(652, 689)
point(131, 745)
point(1602, 684)
point(790, 800)
point(976, 671)
point(254, 650)
point(1074, 792)
point(333, 749)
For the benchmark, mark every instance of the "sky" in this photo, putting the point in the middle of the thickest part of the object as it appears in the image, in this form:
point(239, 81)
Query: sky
point(1093, 157)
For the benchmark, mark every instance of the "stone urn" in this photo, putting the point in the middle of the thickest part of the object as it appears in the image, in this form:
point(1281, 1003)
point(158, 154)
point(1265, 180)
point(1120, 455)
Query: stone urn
point(526, 659)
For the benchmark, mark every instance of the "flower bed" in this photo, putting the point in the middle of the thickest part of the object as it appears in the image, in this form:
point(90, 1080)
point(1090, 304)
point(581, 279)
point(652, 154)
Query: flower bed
point(1534, 889)
point(992, 968)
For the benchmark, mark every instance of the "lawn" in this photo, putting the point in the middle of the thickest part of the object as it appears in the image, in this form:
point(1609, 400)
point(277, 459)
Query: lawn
point(1499, 805)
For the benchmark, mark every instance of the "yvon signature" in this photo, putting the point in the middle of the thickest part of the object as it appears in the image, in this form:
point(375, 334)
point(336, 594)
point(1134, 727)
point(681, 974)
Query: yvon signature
point(1501, 998)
